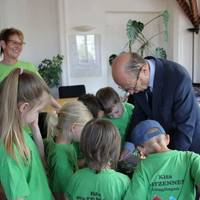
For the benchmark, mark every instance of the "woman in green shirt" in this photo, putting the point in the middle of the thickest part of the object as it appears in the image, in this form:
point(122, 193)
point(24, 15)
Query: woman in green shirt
point(11, 45)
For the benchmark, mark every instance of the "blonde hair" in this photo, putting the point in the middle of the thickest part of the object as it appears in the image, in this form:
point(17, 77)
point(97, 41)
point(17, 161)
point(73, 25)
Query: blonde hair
point(16, 88)
point(72, 112)
point(100, 144)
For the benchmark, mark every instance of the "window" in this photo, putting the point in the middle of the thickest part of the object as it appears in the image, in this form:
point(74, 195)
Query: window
point(86, 48)
point(84, 54)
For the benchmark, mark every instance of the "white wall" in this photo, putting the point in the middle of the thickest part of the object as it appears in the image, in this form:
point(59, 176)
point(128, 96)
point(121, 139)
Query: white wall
point(180, 38)
point(181, 41)
point(38, 19)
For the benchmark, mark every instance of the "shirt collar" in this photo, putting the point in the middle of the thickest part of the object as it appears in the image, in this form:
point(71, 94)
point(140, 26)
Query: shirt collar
point(152, 73)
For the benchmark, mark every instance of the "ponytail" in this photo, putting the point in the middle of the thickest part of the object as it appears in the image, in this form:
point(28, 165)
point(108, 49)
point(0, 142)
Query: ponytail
point(10, 123)
point(19, 86)
point(52, 121)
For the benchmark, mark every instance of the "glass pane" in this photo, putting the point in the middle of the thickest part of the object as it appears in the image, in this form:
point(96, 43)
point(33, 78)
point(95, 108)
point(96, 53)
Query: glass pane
point(91, 48)
point(81, 48)
point(84, 55)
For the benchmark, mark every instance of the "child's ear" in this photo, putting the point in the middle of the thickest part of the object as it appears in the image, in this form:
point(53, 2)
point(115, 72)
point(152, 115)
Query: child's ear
point(23, 107)
point(167, 138)
point(141, 150)
point(2, 44)
point(73, 127)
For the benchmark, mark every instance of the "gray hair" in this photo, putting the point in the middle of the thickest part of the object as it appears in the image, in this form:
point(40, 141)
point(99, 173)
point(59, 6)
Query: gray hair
point(134, 64)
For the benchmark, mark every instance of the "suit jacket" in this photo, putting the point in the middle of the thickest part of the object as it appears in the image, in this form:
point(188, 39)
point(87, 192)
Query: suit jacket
point(173, 105)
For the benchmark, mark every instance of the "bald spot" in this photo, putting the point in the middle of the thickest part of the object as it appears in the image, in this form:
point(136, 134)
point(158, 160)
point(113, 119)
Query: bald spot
point(119, 68)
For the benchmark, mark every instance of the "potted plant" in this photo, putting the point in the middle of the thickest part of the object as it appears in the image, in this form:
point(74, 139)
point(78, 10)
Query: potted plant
point(50, 70)
point(135, 33)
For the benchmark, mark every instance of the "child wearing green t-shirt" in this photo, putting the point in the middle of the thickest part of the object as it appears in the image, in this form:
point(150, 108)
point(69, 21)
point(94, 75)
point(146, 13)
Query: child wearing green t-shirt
point(163, 174)
point(22, 175)
point(117, 112)
point(100, 144)
point(64, 128)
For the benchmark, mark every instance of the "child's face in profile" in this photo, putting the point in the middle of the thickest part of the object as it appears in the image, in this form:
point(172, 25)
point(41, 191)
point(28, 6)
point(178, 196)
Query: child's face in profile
point(30, 114)
point(117, 111)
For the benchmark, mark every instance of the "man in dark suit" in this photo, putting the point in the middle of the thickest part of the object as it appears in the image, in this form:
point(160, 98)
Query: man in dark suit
point(162, 91)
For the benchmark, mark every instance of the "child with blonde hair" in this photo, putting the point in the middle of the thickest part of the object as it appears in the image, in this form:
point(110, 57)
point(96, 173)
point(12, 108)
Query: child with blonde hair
point(23, 96)
point(100, 144)
point(163, 174)
point(64, 129)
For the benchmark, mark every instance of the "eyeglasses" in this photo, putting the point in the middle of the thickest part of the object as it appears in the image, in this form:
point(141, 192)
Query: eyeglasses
point(15, 43)
point(132, 87)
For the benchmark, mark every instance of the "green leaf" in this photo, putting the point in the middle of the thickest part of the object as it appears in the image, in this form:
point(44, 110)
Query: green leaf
point(135, 32)
point(160, 53)
point(50, 70)
point(134, 28)
point(165, 16)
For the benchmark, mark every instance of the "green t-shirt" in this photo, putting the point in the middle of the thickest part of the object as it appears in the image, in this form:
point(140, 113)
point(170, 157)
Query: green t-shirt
point(62, 163)
point(26, 180)
point(170, 175)
point(122, 123)
point(6, 69)
point(78, 151)
point(106, 185)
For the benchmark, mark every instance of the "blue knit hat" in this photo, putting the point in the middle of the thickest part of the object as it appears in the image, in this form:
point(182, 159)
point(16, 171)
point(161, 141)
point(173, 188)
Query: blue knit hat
point(141, 134)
